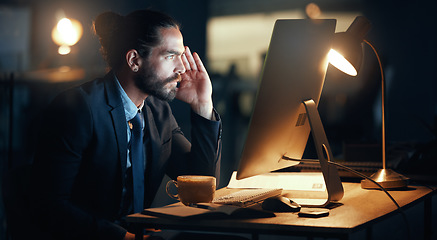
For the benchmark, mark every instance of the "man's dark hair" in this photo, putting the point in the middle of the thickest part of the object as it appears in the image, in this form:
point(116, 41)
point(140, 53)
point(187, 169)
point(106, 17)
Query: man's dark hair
point(139, 30)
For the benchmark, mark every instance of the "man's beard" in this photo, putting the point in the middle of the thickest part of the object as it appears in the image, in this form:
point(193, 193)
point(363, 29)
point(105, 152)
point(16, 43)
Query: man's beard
point(148, 82)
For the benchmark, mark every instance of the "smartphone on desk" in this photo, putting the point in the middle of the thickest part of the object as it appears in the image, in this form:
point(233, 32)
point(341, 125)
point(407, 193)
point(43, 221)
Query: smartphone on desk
point(313, 212)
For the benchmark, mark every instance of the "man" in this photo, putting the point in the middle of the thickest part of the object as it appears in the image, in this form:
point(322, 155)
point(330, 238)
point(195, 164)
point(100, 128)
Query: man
point(81, 184)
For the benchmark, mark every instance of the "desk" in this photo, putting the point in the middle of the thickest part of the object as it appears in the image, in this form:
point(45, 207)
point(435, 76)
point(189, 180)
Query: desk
point(360, 209)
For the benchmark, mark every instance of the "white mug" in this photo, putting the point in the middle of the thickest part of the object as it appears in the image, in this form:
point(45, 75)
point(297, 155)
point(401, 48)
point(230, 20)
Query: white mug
point(193, 189)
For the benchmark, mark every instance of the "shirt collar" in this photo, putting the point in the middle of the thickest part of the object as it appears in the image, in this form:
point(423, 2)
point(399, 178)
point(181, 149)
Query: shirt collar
point(130, 109)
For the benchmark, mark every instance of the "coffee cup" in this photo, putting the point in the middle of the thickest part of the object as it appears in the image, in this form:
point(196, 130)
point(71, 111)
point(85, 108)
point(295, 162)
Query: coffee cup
point(193, 189)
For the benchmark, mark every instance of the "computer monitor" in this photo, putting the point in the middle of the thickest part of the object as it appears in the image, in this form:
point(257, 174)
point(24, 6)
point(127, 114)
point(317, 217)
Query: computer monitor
point(285, 109)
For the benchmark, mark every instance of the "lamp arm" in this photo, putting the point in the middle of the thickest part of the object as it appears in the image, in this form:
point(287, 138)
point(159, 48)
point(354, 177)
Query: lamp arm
point(382, 103)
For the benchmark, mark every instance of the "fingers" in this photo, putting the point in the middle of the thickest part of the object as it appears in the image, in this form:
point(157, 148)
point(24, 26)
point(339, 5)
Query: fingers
point(185, 62)
point(199, 63)
point(192, 61)
point(188, 60)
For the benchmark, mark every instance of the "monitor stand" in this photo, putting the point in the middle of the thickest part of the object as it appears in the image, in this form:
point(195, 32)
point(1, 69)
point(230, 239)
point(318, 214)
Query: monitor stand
point(333, 184)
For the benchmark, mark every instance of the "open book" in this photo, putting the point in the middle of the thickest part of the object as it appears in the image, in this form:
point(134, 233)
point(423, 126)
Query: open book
point(205, 211)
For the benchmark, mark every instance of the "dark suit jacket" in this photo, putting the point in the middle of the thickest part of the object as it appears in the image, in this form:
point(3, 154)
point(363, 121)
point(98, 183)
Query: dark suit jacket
point(81, 157)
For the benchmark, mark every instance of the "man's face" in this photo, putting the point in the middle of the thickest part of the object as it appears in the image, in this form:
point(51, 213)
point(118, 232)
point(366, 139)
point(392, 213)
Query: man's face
point(160, 73)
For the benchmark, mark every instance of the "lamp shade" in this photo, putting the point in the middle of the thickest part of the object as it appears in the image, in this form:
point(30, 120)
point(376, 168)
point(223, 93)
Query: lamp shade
point(347, 52)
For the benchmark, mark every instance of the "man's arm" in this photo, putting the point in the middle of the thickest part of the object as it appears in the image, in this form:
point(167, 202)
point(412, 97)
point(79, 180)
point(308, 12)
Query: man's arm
point(206, 141)
point(203, 155)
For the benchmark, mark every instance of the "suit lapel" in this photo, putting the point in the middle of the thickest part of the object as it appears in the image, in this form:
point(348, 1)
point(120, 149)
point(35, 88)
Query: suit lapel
point(155, 140)
point(118, 119)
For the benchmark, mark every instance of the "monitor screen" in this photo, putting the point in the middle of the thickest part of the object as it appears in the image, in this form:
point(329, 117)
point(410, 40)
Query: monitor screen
point(294, 71)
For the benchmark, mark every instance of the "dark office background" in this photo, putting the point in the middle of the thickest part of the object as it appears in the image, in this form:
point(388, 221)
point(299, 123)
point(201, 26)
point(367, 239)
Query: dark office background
point(403, 32)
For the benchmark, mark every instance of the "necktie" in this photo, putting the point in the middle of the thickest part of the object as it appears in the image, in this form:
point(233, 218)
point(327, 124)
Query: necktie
point(137, 159)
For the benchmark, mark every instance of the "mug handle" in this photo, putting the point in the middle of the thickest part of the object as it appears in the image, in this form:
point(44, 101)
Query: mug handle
point(175, 196)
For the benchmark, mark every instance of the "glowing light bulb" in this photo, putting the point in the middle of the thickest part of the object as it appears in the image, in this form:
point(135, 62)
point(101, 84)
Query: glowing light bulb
point(341, 63)
point(66, 33)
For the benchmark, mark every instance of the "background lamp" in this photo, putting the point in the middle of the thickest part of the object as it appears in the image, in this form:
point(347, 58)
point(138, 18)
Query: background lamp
point(66, 33)
point(346, 55)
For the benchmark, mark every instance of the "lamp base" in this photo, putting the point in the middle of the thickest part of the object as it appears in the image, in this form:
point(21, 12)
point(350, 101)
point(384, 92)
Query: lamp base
point(387, 178)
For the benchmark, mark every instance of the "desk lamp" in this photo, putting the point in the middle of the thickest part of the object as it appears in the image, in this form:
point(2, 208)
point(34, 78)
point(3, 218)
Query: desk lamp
point(346, 55)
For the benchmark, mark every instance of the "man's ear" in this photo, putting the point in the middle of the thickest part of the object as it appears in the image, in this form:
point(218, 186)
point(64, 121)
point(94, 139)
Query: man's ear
point(133, 60)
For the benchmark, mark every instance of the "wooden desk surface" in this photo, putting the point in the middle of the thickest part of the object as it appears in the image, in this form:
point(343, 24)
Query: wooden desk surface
point(359, 207)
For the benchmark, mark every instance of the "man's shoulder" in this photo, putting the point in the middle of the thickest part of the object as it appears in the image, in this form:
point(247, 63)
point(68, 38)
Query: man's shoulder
point(94, 86)
point(89, 87)
point(92, 92)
